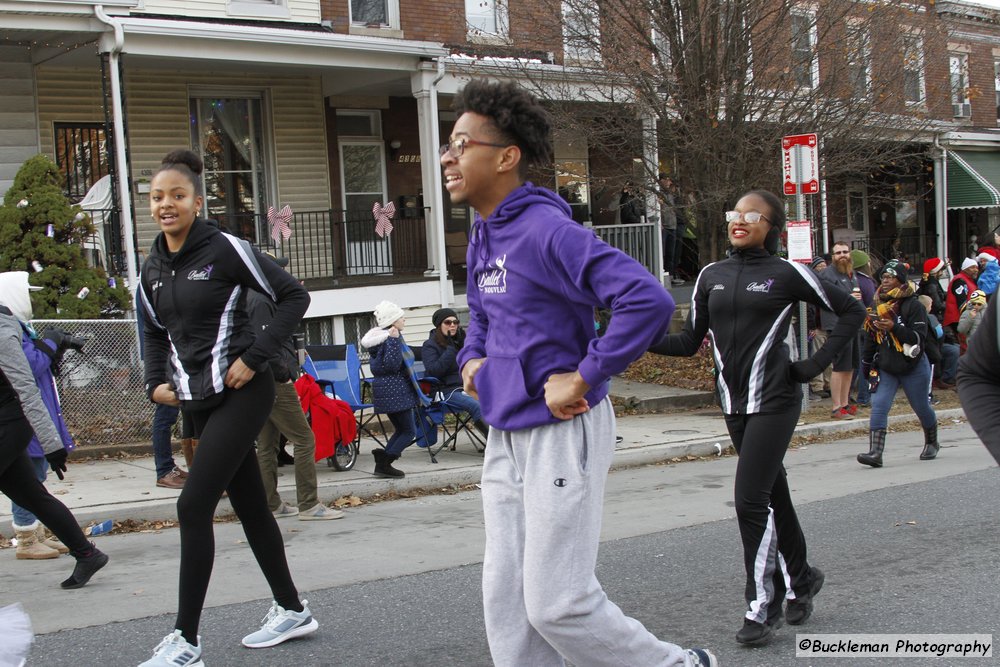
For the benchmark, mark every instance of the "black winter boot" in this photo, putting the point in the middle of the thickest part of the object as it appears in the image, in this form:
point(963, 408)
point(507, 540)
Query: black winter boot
point(874, 456)
point(931, 446)
point(383, 464)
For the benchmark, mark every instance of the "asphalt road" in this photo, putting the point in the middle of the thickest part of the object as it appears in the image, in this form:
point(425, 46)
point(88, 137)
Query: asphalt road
point(911, 548)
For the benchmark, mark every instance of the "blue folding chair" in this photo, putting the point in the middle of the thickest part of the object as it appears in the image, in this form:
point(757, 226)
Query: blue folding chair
point(435, 414)
point(337, 369)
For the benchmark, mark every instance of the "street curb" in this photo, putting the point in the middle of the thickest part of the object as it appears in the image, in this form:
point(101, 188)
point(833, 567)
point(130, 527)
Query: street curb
point(165, 509)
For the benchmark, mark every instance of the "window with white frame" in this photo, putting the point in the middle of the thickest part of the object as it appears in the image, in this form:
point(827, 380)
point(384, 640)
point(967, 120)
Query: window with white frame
point(958, 70)
point(363, 184)
point(858, 58)
point(914, 87)
point(486, 18)
point(228, 133)
point(581, 31)
point(805, 66)
point(375, 13)
point(996, 84)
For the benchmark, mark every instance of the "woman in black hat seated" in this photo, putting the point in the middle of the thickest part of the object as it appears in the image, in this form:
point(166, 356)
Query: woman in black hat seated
point(439, 356)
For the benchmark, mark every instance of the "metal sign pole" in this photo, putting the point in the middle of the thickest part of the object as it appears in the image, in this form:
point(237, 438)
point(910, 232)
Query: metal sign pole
point(800, 202)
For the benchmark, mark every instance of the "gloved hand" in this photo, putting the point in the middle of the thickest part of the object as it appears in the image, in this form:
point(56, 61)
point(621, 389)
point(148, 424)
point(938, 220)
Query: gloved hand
point(57, 461)
point(804, 370)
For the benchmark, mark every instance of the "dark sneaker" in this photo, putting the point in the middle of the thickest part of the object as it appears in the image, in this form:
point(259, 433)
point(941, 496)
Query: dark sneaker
point(699, 657)
point(800, 609)
point(172, 480)
point(85, 568)
point(753, 633)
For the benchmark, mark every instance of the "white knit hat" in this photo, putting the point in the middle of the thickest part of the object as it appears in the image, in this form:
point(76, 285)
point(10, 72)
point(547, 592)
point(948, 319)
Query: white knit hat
point(967, 262)
point(387, 313)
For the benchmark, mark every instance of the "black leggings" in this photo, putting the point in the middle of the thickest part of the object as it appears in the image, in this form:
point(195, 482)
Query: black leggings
point(225, 461)
point(768, 524)
point(18, 481)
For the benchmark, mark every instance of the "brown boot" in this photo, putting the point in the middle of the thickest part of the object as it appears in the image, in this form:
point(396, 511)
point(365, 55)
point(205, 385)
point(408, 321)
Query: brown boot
point(188, 445)
point(28, 546)
point(52, 542)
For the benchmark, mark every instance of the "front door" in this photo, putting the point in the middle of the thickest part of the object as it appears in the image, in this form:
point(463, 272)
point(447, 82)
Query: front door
point(363, 184)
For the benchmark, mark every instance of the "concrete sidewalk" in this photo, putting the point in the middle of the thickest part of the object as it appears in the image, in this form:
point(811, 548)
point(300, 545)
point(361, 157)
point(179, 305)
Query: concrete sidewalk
point(122, 489)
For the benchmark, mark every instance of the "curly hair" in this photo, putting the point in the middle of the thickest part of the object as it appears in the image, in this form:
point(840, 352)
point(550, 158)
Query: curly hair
point(187, 163)
point(516, 117)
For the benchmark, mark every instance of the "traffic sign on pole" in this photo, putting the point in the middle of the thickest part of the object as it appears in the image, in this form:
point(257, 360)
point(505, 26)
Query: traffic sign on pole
point(800, 164)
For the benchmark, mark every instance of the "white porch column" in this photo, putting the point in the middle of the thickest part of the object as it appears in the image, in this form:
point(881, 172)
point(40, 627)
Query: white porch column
point(941, 203)
point(423, 84)
point(651, 156)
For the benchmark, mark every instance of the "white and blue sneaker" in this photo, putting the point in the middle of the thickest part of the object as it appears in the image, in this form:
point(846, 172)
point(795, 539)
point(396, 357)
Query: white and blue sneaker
point(174, 651)
point(280, 625)
point(699, 657)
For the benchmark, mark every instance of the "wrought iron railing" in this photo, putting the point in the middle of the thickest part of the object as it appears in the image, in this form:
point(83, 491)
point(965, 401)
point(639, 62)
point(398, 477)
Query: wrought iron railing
point(105, 246)
point(914, 248)
point(335, 244)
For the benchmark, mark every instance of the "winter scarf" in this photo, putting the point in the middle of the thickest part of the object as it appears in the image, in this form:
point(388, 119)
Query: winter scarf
point(886, 307)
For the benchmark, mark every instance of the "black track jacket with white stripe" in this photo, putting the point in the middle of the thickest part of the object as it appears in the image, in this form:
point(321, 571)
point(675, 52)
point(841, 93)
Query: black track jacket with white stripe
point(196, 321)
point(745, 304)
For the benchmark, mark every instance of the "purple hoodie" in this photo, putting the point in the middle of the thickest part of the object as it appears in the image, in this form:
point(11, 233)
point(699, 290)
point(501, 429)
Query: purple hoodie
point(535, 277)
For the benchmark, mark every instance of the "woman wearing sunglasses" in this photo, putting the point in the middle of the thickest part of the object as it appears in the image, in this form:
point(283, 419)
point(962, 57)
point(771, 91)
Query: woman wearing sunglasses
point(440, 356)
point(745, 305)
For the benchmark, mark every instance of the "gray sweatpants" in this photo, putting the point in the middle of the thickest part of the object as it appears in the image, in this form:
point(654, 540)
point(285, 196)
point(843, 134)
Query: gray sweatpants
point(543, 493)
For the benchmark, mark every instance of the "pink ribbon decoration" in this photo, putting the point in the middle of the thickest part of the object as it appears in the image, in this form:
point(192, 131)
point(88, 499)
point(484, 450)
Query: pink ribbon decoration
point(383, 215)
point(278, 222)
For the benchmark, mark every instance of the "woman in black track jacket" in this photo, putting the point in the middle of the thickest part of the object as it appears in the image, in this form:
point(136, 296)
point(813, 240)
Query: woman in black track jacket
point(201, 352)
point(745, 305)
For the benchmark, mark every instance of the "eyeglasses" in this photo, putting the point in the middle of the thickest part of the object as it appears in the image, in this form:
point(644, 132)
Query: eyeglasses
point(450, 323)
point(456, 147)
point(750, 217)
point(841, 252)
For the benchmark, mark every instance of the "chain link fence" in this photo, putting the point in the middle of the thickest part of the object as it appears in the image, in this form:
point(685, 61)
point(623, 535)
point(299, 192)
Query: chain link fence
point(100, 388)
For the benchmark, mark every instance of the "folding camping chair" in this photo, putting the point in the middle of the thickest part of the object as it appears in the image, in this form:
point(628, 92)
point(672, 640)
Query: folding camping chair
point(436, 413)
point(337, 369)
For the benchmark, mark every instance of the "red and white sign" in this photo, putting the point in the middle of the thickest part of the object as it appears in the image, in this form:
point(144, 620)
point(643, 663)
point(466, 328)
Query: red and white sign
point(800, 152)
point(798, 241)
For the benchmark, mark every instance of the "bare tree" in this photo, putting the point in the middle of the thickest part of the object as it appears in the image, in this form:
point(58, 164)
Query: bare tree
point(724, 80)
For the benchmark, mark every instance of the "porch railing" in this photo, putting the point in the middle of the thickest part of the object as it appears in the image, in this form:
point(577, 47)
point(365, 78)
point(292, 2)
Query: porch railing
point(916, 247)
point(335, 244)
point(636, 241)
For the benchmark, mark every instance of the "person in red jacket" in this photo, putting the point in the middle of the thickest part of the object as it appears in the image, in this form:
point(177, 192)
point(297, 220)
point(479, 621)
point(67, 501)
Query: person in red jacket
point(961, 286)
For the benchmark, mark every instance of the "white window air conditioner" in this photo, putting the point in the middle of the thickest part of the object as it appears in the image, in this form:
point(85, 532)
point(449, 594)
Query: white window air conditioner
point(963, 110)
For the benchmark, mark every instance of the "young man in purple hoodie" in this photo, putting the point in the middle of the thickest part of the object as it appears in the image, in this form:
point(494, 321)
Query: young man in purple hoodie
point(543, 390)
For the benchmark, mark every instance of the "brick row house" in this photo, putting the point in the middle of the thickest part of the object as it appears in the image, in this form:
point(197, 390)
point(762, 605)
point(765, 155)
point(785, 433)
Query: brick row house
point(332, 106)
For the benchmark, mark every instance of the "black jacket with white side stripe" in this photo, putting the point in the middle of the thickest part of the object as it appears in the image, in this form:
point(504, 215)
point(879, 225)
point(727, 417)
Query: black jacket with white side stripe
point(196, 320)
point(745, 305)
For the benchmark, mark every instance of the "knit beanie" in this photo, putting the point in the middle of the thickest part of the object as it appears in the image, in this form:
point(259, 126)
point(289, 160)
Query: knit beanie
point(896, 269)
point(933, 265)
point(816, 261)
point(859, 259)
point(441, 314)
point(387, 313)
point(968, 262)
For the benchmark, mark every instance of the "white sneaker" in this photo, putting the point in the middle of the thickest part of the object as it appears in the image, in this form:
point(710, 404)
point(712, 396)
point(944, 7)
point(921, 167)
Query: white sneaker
point(320, 513)
point(281, 625)
point(174, 651)
point(285, 510)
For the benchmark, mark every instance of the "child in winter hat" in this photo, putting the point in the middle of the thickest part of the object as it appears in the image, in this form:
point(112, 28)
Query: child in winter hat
point(387, 313)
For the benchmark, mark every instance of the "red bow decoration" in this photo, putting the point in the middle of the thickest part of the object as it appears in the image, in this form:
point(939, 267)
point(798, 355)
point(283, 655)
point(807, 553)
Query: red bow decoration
point(383, 215)
point(278, 222)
